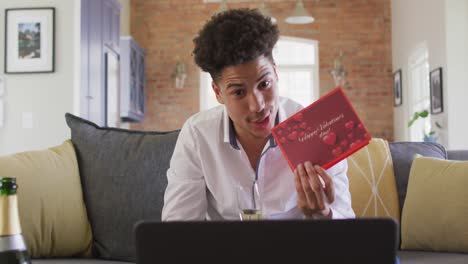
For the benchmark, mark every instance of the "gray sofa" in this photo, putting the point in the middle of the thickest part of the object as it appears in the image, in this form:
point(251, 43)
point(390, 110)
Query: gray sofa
point(402, 153)
point(129, 169)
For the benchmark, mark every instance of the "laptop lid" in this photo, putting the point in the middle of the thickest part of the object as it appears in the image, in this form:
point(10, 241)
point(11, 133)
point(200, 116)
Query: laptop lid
point(282, 241)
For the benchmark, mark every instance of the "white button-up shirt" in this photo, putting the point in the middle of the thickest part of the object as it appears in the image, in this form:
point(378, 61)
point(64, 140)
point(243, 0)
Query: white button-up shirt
point(209, 163)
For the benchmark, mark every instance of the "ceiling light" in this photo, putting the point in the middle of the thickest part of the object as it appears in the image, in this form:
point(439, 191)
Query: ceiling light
point(299, 15)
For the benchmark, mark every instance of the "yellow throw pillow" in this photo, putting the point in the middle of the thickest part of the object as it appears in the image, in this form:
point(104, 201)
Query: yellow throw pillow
point(372, 181)
point(50, 200)
point(435, 212)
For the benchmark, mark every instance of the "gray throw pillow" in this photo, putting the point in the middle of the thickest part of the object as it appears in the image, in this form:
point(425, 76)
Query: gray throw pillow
point(123, 176)
point(403, 155)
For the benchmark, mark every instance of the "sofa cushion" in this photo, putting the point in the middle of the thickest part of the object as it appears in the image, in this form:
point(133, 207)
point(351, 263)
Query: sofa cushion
point(403, 155)
point(372, 182)
point(436, 207)
point(123, 173)
point(50, 201)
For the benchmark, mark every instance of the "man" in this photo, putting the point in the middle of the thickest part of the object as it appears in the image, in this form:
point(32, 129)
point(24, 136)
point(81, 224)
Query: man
point(231, 145)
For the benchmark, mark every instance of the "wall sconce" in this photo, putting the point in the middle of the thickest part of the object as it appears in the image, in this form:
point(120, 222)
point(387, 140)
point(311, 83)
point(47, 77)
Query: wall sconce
point(179, 74)
point(299, 15)
point(338, 72)
point(222, 7)
point(265, 11)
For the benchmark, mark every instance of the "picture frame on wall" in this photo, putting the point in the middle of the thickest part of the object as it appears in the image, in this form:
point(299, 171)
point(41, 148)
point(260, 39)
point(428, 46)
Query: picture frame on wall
point(397, 88)
point(436, 95)
point(29, 40)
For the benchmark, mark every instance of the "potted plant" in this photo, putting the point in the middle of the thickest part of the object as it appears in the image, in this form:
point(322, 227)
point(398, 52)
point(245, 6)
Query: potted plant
point(431, 135)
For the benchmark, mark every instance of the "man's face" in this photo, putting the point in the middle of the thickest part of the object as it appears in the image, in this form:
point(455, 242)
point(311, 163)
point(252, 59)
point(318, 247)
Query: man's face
point(250, 93)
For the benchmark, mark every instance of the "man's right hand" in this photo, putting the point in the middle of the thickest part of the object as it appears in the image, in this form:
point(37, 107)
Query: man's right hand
point(314, 198)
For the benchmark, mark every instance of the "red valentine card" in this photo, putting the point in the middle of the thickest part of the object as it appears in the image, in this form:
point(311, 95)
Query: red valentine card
point(324, 133)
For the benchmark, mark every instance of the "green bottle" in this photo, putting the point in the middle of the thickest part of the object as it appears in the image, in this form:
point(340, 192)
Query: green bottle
point(12, 246)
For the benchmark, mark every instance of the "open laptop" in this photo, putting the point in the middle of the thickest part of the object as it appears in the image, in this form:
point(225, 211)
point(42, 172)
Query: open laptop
point(280, 241)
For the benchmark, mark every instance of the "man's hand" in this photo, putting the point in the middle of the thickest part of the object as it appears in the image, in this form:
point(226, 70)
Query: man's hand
point(315, 190)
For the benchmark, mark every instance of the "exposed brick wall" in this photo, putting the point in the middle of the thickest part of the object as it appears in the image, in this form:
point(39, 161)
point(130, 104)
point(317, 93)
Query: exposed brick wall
point(362, 29)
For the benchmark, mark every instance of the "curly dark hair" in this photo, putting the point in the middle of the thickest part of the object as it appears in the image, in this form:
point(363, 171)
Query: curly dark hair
point(234, 37)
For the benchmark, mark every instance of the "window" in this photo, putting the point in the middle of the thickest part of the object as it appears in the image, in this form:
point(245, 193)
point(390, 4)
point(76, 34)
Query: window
point(419, 91)
point(297, 67)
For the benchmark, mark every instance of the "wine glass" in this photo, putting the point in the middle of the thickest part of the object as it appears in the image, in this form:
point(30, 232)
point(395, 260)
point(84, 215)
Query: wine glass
point(249, 202)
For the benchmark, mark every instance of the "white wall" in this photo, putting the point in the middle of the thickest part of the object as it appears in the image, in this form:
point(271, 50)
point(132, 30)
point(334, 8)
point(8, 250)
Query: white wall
point(48, 96)
point(456, 84)
point(442, 26)
point(413, 27)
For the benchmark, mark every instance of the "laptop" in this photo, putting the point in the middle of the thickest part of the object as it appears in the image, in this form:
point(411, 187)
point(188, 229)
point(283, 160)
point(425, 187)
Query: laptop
point(372, 240)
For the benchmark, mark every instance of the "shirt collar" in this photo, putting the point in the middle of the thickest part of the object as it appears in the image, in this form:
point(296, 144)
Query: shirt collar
point(230, 134)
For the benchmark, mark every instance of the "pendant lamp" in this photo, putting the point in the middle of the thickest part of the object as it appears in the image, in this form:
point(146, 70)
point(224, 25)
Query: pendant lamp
point(299, 15)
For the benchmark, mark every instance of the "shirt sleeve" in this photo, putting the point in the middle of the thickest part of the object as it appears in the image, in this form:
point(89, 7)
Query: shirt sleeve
point(185, 196)
point(341, 207)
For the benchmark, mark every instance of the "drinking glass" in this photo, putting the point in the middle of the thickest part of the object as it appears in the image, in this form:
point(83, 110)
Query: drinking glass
point(249, 202)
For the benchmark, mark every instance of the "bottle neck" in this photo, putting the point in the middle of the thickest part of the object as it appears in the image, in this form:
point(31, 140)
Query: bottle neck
point(9, 217)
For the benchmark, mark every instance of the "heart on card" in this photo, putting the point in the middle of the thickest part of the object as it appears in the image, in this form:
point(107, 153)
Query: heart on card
point(337, 151)
point(344, 143)
point(329, 138)
point(292, 136)
point(298, 117)
point(355, 144)
point(349, 125)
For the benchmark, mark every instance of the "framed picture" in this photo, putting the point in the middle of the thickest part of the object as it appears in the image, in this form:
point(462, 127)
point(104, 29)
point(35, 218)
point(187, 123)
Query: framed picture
point(437, 100)
point(397, 90)
point(29, 40)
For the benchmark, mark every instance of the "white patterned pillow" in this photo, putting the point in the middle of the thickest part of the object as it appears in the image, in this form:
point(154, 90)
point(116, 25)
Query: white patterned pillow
point(372, 181)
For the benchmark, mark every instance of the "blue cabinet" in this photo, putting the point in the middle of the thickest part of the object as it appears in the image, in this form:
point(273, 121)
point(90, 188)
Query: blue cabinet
point(100, 36)
point(111, 24)
point(132, 80)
